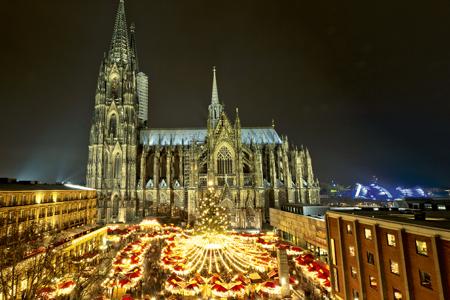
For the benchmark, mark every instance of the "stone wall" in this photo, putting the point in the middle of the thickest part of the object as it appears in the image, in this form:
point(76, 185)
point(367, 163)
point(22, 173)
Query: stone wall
point(306, 229)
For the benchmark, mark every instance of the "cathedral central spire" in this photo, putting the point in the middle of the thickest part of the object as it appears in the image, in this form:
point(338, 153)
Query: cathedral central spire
point(215, 94)
point(119, 50)
point(215, 108)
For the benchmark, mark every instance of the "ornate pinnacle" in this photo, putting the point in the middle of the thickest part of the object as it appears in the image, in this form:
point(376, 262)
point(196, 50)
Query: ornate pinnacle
point(215, 93)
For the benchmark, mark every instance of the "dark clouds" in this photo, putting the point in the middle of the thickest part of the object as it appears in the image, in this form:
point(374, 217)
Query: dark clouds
point(365, 85)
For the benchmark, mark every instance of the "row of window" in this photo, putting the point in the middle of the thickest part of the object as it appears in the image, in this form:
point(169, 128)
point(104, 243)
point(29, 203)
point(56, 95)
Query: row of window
point(371, 260)
point(396, 293)
point(425, 280)
point(393, 266)
point(32, 213)
point(15, 200)
point(421, 246)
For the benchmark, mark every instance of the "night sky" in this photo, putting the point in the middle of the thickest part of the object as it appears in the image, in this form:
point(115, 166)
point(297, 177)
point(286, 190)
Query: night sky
point(365, 85)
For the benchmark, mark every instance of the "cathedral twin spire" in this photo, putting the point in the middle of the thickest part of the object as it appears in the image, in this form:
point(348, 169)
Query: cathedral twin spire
point(120, 48)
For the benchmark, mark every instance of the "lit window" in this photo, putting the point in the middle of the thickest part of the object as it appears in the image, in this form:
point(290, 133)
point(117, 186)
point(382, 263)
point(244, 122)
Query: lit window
point(353, 272)
point(370, 258)
point(349, 229)
point(397, 295)
point(441, 207)
point(355, 294)
point(428, 206)
point(373, 282)
point(351, 250)
point(421, 247)
point(368, 233)
point(333, 252)
point(394, 267)
point(391, 240)
point(224, 161)
point(425, 279)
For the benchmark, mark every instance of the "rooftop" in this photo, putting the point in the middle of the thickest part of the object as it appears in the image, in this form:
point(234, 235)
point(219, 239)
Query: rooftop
point(11, 184)
point(186, 136)
point(430, 219)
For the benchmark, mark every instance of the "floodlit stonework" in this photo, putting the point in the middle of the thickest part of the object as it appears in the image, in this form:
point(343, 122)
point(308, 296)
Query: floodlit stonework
point(139, 170)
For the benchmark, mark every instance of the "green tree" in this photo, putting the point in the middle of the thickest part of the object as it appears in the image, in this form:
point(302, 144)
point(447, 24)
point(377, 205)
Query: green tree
point(212, 217)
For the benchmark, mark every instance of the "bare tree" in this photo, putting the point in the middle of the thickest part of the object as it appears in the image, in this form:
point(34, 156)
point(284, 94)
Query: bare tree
point(27, 260)
point(88, 271)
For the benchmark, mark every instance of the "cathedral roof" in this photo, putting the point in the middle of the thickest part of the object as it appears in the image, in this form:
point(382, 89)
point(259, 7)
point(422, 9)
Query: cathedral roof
point(185, 136)
point(175, 136)
point(259, 135)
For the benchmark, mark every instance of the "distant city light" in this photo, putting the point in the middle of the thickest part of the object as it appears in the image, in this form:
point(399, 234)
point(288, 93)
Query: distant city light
point(78, 187)
point(375, 191)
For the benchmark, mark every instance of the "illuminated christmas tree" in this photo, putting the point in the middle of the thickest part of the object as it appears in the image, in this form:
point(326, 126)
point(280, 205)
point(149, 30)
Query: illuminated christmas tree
point(212, 217)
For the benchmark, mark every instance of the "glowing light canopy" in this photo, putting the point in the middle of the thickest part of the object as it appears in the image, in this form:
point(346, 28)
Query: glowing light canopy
point(207, 253)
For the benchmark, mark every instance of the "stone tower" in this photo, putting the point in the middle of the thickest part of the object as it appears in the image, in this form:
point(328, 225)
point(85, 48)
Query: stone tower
point(114, 133)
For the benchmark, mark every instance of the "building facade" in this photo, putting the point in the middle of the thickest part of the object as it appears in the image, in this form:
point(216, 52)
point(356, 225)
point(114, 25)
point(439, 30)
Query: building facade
point(54, 207)
point(304, 231)
point(62, 217)
point(139, 170)
point(385, 256)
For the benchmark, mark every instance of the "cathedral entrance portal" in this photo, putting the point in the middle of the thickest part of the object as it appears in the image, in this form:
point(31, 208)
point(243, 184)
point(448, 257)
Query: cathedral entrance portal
point(115, 206)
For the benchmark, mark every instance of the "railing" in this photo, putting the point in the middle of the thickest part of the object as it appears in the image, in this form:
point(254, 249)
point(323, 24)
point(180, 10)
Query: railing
point(221, 180)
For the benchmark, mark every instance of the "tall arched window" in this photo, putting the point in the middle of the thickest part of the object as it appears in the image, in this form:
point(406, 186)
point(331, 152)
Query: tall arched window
point(224, 161)
point(113, 126)
point(105, 167)
point(117, 166)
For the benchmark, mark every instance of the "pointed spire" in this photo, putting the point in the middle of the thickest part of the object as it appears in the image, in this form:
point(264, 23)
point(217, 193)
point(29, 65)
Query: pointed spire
point(119, 50)
point(215, 108)
point(133, 48)
point(237, 120)
point(215, 93)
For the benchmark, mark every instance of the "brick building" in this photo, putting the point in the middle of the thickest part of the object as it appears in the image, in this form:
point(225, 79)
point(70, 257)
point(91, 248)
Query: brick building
point(388, 255)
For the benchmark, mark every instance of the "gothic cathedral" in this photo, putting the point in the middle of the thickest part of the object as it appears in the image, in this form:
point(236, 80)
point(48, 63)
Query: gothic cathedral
point(141, 171)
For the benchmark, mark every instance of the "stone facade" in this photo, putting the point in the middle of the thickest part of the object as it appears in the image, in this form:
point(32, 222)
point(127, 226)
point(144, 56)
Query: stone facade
point(55, 208)
point(141, 171)
point(305, 230)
